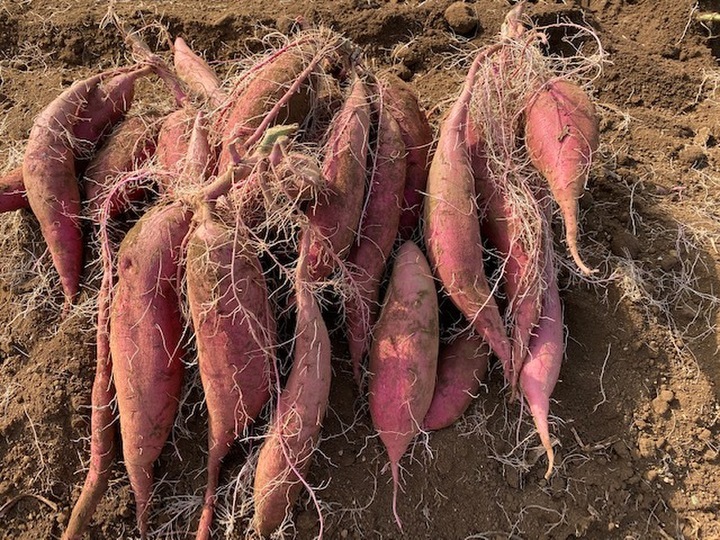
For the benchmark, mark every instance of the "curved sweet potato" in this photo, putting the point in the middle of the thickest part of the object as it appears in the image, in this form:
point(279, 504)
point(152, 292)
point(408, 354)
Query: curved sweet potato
point(378, 230)
point(562, 134)
point(452, 229)
point(417, 135)
point(337, 214)
point(196, 73)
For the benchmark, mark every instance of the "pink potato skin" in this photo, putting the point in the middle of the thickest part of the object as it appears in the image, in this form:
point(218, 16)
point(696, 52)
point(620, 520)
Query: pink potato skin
point(417, 135)
point(336, 215)
point(85, 111)
point(12, 191)
point(561, 135)
point(196, 73)
point(295, 428)
point(235, 336)
point(501, 225)
point(146, 328)
point(462, 366)
point(403, 356)
point(378, 231)
point(126, 149)
point(452, 229)
point(541, 369)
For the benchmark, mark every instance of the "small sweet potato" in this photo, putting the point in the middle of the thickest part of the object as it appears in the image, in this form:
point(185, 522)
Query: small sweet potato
point(562, 134)
point(12, 191)
point(462, 366)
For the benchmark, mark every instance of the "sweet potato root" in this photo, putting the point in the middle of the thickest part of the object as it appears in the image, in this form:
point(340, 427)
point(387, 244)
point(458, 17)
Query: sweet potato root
point(12, 191)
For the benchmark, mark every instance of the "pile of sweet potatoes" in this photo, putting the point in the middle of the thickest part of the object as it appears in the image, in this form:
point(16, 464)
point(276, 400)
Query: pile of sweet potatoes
point(306, 171)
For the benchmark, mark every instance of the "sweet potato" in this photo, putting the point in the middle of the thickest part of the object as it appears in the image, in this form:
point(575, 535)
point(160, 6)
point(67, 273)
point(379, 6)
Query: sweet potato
point(49, 171)
point(462, 366)
point(506, 222)
point(452, 229)
point(127, 148)
point(268, 86)
point(234, 331)
point(418, 137)
point(174, 139)
point(378, 230)
point(562, 134)
point(195, 72)
point(403, 356)
point(12, 191)
point(336, 215)
point(146, 327)
point(286, 452)
point(102, 419)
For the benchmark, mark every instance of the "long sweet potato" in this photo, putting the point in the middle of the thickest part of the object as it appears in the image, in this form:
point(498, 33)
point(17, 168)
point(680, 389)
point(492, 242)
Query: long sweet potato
point(403, 356)
point(418, 137)
point(337, 214)
point(452, 229)
point(146, 328)
point(235, 335)
point(196, 73)
point(126, 148)
point(378, 230)
point(49, 171)
point(506, 223)
point(286, 452)
point(541, 369)
point(562, 134)
point(102, 429)
point(462, 366)
point(12, 191)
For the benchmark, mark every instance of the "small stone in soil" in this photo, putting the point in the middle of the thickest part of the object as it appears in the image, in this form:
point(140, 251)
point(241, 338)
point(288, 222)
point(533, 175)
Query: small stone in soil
point(646, 447)
point(461, 18)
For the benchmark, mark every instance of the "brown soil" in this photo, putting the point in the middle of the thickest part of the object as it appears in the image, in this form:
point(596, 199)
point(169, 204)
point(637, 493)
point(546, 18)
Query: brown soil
point(636, 411)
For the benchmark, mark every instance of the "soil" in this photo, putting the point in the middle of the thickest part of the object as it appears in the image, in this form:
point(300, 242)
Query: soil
point(636, 415)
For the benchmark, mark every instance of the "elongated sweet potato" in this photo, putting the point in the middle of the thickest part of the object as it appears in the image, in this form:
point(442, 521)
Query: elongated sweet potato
point(267, 87)
point(378, 230)
point(541, 369)
point(562, 134)
point(146, 327)
point(286, 452)
point(127, 148)
point(49, 169)
point(102, 419)
point(196, 73)
point(403, 356)
point(235, 336)
point(506, 223)
point(452, 229)
point(462, 366)
point(12, 191)
point(337, 214)
point(418, 137)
